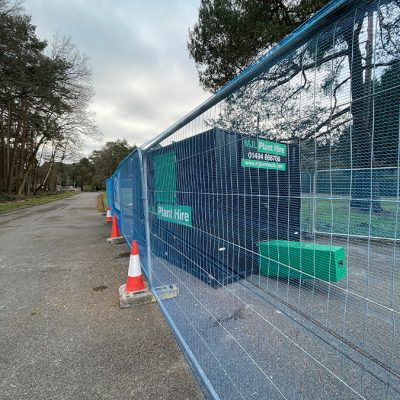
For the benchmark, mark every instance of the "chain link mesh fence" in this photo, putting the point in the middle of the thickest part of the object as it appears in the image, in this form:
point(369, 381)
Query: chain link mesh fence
point(274, 209)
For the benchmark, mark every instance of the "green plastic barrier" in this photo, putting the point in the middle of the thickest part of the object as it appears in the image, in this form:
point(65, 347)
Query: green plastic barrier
point(288, 259)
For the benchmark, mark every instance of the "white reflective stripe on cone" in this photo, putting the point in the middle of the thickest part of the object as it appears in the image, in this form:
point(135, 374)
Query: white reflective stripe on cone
point(134, 266)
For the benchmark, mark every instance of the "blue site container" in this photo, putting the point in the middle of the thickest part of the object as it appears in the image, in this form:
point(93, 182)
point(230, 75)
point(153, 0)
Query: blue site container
point(214, 196)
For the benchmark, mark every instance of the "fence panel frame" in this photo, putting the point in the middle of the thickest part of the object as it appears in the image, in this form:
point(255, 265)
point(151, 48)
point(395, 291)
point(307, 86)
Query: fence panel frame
point(299, 36)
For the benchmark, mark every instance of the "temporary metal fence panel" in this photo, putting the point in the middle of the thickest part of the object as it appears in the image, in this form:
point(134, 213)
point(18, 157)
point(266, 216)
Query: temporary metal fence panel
point(126, 199)
point(196, 187)
point(124, 189)
point(117, 195)
point(307, 202)
point(332, 199)
point(110, 194)
point(274, 207)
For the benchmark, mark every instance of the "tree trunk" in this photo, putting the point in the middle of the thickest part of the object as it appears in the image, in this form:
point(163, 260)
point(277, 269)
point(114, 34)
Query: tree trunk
point(11, 177)
point(3, 176)
point(29, 167)
point(23, 156)
point(51, 164)
point(364, 192)
point(7, 158)
point(62, 159)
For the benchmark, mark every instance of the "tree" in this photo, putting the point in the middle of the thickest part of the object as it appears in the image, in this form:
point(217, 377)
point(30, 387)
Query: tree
point(232, 34)
point(11, 6)
point(88, 171)
point(106, 159)
point(20, 58)
point(45, 92)
point(327, 88)
point(83, 172)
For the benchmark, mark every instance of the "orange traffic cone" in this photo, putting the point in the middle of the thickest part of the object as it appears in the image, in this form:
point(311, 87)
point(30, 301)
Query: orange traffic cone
point(108, 215)
point(115, 236)
point(134, 281)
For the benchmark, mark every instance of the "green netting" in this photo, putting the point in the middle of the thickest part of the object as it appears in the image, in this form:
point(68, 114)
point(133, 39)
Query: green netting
point(165, 178)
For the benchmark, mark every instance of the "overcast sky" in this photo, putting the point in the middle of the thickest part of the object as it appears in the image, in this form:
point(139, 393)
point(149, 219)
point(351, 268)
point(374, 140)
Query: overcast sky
point(143, 76)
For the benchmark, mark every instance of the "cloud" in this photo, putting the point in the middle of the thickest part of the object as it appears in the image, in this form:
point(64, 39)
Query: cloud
point(144, 79)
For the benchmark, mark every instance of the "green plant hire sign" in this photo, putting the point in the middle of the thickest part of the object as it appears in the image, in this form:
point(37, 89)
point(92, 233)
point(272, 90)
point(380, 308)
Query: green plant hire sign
point(259, 153)
point(177, 214)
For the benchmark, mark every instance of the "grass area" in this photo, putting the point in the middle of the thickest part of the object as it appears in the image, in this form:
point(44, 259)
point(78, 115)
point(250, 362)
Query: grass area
point(335, 216)
point(8, 204)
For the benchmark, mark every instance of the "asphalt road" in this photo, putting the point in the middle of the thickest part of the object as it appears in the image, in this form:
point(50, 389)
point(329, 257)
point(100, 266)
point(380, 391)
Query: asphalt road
point(60, 338)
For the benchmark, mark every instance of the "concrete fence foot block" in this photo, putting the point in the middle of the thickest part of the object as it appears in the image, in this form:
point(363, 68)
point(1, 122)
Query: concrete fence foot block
point(167, 291)
point(116, 240)
point(129, 299)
